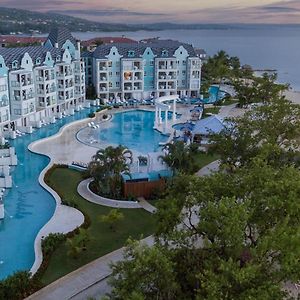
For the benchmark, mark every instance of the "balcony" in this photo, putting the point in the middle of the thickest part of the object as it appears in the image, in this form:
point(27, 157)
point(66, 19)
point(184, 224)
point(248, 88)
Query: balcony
point(103, 78)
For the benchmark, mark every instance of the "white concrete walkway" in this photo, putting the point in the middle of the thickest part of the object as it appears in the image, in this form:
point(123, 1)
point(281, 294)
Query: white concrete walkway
point(84, 191)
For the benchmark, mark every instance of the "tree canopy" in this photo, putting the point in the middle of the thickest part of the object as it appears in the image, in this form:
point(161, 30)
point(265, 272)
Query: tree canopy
point(270, 131)
point(236, 237)
point(106, 168)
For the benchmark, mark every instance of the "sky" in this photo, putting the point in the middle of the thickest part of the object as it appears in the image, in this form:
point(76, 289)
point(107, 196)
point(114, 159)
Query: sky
point(182, 11)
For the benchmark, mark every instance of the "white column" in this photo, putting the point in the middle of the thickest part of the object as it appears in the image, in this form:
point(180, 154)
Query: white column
point(159, 116)
point(174, 110)
point(166, 120)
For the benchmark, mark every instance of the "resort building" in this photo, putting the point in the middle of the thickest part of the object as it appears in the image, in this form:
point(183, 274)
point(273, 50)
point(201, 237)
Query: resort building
point(40, 83)
point(150, 68)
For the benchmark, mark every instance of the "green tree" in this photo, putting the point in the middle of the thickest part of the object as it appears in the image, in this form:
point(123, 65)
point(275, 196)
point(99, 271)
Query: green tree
point(78, 243)
point(107, 167)
point(270, 131)
point(179, 157)
point(146, 273)
point(224, 236)
point(112, 218)
point(18, 286)
point(259, 89)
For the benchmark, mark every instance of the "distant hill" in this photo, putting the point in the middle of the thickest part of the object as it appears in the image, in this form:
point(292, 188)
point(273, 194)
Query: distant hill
point(27, 22)
point(23, 21)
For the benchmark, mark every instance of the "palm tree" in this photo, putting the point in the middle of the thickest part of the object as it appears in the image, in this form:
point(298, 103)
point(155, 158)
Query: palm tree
point(107, 167)
point(179, 157)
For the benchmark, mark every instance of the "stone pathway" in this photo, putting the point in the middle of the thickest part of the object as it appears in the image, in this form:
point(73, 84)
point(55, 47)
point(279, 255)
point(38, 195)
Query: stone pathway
point(210, 168)
point(146, 205)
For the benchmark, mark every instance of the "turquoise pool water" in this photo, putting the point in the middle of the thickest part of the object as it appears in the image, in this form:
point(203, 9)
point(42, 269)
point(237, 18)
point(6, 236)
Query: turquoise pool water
point(133, 129)
point(28, 206)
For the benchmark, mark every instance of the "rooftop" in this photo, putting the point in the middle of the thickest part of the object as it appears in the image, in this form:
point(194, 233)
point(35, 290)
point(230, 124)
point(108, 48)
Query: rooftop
point(157, 47)
point(13, 39)
point(59, 35)
point(211, 125)
point(16, 54)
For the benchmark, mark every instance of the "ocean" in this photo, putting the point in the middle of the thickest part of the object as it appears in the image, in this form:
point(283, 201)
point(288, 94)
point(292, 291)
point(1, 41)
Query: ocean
point(261, 47)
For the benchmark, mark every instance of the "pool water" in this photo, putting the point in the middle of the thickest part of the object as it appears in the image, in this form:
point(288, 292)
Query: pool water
point(133, 129)
point(28, 206)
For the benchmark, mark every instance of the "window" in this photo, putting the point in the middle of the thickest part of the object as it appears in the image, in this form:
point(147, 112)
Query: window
point(109, 64)
point(117, 73)
point(38, 61)
point(183, 82)
point(183, 62)
point(183, 72)
point(110, 84)
point(117, 83)
point(114, 53)
point(110, 73)
point(17, 111)
point(151, 62)
point(57, 58)
point(145, 74)
point(15, 64)
point(1, 65)
point(164, 53)
point(131, 53)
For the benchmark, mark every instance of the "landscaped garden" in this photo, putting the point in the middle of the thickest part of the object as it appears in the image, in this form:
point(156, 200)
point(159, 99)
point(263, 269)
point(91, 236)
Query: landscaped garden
point(102, 239)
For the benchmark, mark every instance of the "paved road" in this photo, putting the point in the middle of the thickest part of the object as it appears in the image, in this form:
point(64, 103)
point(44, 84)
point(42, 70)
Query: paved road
point(89, 280)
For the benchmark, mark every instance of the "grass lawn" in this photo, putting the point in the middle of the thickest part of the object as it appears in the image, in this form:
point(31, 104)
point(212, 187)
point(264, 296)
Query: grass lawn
point(203, 159)
point(229, 101)
point(211, 110)
point(103, 240)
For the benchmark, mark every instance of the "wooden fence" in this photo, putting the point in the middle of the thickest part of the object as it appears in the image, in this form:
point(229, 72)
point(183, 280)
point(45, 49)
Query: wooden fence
point(143, 188)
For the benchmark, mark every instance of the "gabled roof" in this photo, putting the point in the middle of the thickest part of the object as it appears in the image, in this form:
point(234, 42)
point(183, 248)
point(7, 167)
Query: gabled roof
point(16, 54)
point(59, 35)
point(207, 126)
point(157, 46)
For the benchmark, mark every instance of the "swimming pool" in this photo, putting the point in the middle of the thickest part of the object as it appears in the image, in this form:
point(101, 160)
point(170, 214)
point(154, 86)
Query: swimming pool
point(132, 129)
point(28, 206)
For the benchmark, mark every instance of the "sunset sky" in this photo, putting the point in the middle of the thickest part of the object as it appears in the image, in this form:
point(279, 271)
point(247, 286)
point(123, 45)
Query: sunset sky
point(183, 11)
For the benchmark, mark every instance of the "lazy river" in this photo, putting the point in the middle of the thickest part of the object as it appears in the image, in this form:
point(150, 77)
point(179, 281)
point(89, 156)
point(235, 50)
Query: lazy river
point(28, 207)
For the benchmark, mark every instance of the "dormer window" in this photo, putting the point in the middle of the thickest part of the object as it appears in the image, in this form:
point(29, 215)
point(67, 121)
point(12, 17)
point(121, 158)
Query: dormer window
point(15, 64)
point(131, 53)
point(57, 58)
point(164, 53)
point(38, 61)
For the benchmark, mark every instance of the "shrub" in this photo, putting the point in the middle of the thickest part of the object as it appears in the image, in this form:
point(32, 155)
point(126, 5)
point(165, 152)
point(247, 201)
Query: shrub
point(18, 286)
point(91, 115)
point(50, 243)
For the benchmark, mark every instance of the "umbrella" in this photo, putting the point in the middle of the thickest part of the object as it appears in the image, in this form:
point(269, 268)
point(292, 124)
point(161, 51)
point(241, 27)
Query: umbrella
point(186, 127)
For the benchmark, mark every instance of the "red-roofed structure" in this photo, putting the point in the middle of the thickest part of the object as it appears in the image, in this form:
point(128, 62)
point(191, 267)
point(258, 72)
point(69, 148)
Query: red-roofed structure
point(14, 40)
point(93, 43)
